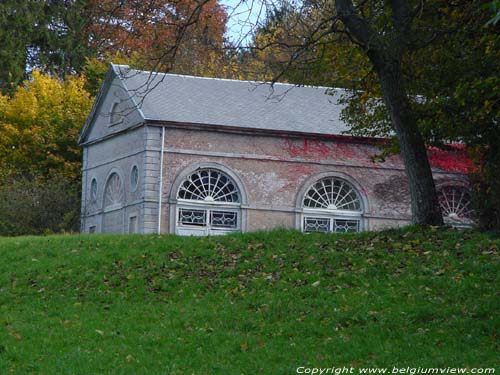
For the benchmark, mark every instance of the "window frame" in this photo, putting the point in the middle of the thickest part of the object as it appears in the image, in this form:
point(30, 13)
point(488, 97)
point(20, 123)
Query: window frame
point(115, 116)
point(201, 189)
point(134, 185)
point(332, 219)
point(329, 213)
point(177, 202)
point(117, 205)
point(465, 222)
point(93, 193)
point(208, 208)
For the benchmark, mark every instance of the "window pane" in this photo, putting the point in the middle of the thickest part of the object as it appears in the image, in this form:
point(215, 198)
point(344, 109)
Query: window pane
point(455, 202)
point(93, 191)
point(316, 224)
point(332, 193)
point(209, 185)
point(134, 177)
point(116, 114)
point(192, 217)
point(344, 226)
point(224, 219)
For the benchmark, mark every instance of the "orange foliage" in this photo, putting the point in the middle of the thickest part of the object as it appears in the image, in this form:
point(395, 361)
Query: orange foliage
point(169, 35)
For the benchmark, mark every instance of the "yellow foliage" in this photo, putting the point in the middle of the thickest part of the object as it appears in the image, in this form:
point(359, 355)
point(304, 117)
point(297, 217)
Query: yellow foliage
point(39, 126)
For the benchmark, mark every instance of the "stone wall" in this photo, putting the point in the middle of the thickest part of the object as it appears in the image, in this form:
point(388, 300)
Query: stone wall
point(128, 115)
point(116, 155)
point(276, 170)
point(273, 171)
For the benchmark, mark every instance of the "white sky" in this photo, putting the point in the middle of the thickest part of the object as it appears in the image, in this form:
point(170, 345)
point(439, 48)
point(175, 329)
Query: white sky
point(243, 15)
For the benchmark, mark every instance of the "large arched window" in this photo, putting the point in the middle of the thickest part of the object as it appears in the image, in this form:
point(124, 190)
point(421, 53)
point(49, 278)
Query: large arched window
point(331, 204)
point(455, 202)
point(208, 202)
point(113, 192)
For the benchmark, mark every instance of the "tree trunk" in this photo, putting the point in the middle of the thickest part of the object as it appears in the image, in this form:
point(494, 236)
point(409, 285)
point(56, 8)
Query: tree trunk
point(385, 50)
point(424, 203)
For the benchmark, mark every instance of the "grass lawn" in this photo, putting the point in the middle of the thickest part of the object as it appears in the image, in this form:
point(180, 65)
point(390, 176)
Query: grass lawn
point(262, 303)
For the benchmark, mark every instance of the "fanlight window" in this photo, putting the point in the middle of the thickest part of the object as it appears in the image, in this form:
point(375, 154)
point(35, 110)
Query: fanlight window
point(208, 204)
point(332, 194)
point(331, 205)
point(113, 193)
point(209, 185)
point(455, 202)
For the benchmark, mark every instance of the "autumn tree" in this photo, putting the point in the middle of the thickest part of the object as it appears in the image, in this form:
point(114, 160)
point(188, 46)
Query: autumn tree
point(39, 126)
point(450, 68)
point(452, 74)
point(40, 160)
point(59, 36)
point(180, 36)
point(379, 35)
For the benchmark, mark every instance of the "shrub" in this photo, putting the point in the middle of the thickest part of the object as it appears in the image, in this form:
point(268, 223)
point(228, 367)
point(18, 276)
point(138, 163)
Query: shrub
point(30, 205)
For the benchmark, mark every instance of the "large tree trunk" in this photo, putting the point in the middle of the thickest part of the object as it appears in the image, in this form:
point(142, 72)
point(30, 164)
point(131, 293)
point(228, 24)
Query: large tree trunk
point(385, 51)
point(424, 203)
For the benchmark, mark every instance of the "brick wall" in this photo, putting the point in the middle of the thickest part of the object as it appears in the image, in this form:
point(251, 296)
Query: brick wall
point(274, 171)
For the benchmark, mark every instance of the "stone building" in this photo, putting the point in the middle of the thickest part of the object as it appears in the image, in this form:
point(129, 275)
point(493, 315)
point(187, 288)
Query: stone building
point(165, 153)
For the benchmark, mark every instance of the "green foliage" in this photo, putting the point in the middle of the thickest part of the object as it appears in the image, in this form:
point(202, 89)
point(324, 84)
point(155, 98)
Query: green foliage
point(248, 303)
point(60, 43)
point(17, 19)
point(94, 69)
point(36, 206)
point(46, 35)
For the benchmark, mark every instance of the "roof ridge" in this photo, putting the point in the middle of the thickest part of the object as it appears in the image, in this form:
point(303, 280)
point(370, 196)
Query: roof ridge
point(235, 103)
point(152, 73)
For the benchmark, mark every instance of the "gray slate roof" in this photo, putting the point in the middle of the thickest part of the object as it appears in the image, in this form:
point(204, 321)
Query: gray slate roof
point(244, 104)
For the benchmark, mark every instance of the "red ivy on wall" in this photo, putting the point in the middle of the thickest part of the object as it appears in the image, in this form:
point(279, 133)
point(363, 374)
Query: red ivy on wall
point(453, 159)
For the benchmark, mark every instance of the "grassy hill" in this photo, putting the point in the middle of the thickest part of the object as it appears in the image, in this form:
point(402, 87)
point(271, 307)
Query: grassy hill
point(263, 303)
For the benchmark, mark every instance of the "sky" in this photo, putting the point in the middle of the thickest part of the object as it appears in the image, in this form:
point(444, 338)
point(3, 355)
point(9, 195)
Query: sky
point(243, 15)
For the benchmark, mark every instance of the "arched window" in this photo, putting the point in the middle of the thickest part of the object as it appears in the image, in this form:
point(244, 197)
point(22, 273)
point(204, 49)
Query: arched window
point(208, 202)
point(116, 115)
point(113, 192)
point(455, 202)
point(331, 204)
point(93, 191)
point(134, 178)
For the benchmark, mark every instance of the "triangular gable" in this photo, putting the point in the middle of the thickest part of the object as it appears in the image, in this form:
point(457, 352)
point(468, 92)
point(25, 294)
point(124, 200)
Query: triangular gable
point(112, 84)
